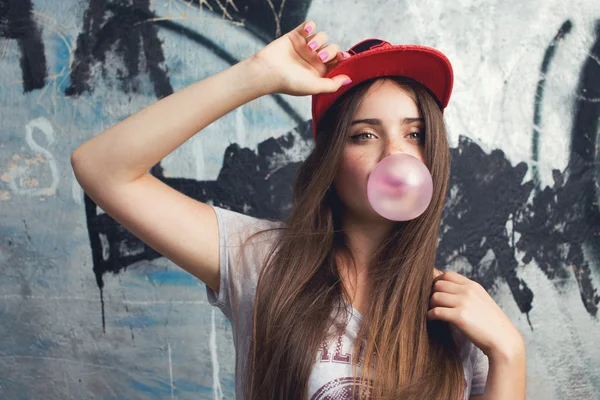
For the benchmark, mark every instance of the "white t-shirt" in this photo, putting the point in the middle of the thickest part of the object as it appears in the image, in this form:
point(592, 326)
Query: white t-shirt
point(331, 377)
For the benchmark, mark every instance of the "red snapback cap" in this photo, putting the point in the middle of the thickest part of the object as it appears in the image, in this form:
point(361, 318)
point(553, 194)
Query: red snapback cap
point(373, 58)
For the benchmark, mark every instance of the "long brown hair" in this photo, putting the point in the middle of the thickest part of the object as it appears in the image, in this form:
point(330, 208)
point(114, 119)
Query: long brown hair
point(299, 293)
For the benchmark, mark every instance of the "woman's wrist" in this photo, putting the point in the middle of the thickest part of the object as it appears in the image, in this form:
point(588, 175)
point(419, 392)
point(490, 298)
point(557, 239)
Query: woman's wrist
point(250, 79)
point(508, 350)
point(258, 73)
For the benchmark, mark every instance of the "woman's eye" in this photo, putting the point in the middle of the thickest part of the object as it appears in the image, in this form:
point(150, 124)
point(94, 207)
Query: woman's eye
point(356, 137)
point(418, 135)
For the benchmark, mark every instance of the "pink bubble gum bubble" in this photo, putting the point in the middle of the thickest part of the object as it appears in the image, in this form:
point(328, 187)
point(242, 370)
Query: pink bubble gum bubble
point(400, 187)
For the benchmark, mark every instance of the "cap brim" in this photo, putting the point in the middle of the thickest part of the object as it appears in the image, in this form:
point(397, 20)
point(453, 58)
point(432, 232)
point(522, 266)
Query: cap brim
point(423, 64)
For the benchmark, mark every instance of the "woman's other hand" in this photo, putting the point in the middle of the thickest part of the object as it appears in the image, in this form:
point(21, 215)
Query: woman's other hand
point(298, 61)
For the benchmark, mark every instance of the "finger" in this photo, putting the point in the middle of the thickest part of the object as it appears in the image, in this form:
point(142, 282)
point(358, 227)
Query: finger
point(306, 28)
point(328, 53)
point(330, 85)
point(441, 313)
point(339, 57)
point(446, 287)
point(316, 42)
point(440, 299)
point(454, 277)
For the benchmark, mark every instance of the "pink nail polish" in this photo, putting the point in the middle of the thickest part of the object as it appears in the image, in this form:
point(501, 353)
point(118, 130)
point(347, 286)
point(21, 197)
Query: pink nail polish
point(312, 45)
point(323, 55)
point(308, 28)
point(347, 82)
point(346, 55)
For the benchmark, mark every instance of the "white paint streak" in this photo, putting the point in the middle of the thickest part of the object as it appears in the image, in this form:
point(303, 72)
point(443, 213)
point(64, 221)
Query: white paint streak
point(240, 127)
point(171, 371)
point(105, 246)
point(218, 392)
point(21, 174)
point(76, 190)
point(277, 16)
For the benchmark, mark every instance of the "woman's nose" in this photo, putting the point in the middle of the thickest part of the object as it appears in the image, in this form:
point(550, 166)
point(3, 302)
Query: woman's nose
point(393, 147)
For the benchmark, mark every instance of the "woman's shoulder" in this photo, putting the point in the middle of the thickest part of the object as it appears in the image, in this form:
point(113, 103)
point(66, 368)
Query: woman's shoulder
point(238, 230)
point(245, 224)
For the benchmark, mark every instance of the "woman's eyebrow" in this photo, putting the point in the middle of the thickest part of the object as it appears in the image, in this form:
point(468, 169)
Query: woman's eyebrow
point(377, 121)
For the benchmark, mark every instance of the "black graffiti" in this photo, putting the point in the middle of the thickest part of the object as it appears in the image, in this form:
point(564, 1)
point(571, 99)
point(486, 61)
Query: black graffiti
point(266, 20)
point(486, 192)
point(120, 26)
point(539, 95)
point(560, 220)
point(563, 220)
point(16, 22)
point(129, 24)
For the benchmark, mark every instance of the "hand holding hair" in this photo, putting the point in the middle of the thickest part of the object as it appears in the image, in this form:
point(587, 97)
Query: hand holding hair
point(469, 307)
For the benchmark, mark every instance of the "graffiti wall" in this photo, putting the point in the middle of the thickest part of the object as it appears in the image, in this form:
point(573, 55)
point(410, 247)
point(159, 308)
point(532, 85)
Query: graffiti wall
point(89, 311)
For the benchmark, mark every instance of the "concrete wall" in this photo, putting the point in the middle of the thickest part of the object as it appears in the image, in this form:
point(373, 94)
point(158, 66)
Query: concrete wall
point(88, 311)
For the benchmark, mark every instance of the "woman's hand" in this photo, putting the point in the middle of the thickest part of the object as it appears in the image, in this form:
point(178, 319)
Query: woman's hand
point(466, 304)
point(295, 68)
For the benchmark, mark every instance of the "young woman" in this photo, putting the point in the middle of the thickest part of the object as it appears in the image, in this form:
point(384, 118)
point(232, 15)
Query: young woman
point(336, 301)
